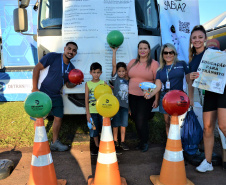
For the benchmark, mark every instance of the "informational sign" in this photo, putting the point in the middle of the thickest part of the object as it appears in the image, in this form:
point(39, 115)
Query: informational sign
point(88, 22)
point(177, 19)
point(212, 71)
point(15, 86)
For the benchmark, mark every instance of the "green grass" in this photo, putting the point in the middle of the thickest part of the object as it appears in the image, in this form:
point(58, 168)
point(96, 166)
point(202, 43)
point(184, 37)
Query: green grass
point(17, 130)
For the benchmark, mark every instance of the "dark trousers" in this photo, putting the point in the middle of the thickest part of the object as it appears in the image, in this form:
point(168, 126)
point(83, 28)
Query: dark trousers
point(141, 112)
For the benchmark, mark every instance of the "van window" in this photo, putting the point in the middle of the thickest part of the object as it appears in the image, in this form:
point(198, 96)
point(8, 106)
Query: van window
point(51, 14)
point(146, 15)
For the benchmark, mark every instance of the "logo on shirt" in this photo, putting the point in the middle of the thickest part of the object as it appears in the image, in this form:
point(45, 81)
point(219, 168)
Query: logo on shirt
point(179, 67)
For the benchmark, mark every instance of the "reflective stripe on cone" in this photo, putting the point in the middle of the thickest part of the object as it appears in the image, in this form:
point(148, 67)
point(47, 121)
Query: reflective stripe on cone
point(107, 170)
point(42, 169)
point(173, 168)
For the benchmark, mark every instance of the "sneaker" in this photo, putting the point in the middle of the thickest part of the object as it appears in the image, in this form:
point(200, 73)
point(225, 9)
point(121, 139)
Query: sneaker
point(118, 152)
point(58, 146)
point(116, 143)
point(205, 166)
point(139, 146)
point(124, 146)
point(145, 147)
point(95, 151)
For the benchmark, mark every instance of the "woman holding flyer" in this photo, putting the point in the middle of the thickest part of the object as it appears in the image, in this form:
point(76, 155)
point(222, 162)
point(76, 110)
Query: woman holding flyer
point(214, 104)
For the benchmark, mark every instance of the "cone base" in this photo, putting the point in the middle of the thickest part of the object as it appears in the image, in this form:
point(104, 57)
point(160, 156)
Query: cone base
point(155, 180)
point(123, 181)
point(61, 182)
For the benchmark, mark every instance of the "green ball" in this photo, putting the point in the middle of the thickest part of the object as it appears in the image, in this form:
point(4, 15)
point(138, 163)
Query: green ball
point(115, 38)
point(38, 104)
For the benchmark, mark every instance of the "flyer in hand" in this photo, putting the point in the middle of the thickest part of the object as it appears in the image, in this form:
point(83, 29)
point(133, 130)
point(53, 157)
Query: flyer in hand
point(212, 71)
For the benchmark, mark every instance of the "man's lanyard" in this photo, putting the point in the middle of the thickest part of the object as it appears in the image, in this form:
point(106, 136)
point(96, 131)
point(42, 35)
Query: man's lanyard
point(63, 68)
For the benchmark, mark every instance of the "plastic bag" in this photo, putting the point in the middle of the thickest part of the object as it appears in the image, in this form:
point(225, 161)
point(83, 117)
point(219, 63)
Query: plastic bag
point(192, 133)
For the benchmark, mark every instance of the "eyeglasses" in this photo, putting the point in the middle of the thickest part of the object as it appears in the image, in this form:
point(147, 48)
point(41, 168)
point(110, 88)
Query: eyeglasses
point(170, 52)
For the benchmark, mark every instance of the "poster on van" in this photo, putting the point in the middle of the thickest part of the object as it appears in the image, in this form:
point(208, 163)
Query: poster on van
point(88, 23)
point(177, 19)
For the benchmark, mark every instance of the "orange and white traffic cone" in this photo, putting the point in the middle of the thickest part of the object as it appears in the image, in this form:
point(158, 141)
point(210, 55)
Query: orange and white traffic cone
point(107, 170)
point(173, 168)
point(42, 170)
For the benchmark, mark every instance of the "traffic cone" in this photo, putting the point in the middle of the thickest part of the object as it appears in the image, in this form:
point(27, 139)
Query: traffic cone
point(107, 170)
point(173, 168)
point(42, 170)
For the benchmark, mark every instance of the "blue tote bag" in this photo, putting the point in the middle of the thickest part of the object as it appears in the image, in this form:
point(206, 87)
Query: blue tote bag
point(192, 133)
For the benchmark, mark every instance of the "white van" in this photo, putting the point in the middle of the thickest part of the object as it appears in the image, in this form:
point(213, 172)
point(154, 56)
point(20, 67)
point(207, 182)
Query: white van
point(49, 37)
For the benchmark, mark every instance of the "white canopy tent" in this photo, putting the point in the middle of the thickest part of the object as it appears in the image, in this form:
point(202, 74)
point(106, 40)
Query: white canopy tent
point(218, 21)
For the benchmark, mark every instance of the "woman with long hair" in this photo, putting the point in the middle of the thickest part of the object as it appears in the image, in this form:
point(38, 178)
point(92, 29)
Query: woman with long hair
point(169, 76)
point(214, 105)
point(142, 69)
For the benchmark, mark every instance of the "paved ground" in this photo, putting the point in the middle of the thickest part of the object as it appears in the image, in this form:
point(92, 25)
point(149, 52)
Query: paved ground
point(76, 166)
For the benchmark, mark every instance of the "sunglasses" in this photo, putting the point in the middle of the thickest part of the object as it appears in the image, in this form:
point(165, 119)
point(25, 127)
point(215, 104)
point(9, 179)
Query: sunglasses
point(170, 52)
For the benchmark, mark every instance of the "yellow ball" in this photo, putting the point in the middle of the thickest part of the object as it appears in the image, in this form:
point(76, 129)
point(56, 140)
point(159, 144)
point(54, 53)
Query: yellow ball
point(107, 105)
point(102, 89)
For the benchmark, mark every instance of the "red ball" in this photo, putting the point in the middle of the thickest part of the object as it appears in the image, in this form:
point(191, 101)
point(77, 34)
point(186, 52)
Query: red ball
point(75, 76)
point(175, 102)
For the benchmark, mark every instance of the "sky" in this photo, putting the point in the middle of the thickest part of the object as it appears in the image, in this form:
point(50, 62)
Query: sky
point(209, 9)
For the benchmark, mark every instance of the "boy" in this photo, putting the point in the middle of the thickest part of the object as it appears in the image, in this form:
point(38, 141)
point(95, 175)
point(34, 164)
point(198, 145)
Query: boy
point(90, 102)
point(120, 82)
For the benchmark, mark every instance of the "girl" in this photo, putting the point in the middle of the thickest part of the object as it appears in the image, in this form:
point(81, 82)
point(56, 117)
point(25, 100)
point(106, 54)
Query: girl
point(214, 104)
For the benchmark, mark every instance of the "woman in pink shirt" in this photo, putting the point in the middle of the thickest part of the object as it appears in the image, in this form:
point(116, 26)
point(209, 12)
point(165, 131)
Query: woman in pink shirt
point(142, 69)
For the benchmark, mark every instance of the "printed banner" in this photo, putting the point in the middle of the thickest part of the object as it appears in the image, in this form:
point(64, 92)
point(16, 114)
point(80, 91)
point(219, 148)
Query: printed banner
point(212, 71)
point(88, 22)
point(15, 86)
point(177, 19)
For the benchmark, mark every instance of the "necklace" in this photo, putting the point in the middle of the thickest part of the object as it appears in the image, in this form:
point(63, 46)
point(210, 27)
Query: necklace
point(141, 63)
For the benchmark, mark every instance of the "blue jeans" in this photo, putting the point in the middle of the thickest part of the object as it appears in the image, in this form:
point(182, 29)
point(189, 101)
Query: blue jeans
point(121, 118)
point(161, 109)
point(97, 119)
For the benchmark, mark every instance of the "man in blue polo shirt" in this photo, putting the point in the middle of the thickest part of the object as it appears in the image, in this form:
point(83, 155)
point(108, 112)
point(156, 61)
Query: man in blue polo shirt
point(56, 68)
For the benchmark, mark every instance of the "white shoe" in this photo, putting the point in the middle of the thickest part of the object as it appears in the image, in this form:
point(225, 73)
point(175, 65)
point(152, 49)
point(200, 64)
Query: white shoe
point(205, 166)
point(58, 146)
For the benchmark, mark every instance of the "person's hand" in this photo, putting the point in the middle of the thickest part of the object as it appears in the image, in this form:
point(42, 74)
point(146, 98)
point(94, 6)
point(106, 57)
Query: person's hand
point(192, 103)
point(155, 104)
point(129, 111)
point(88, 116)
point(194, 75)
point(114, 49)
point(147, 94)
point(72, 85)
point(89, 123)
point(34, 90)
point(80, 83)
